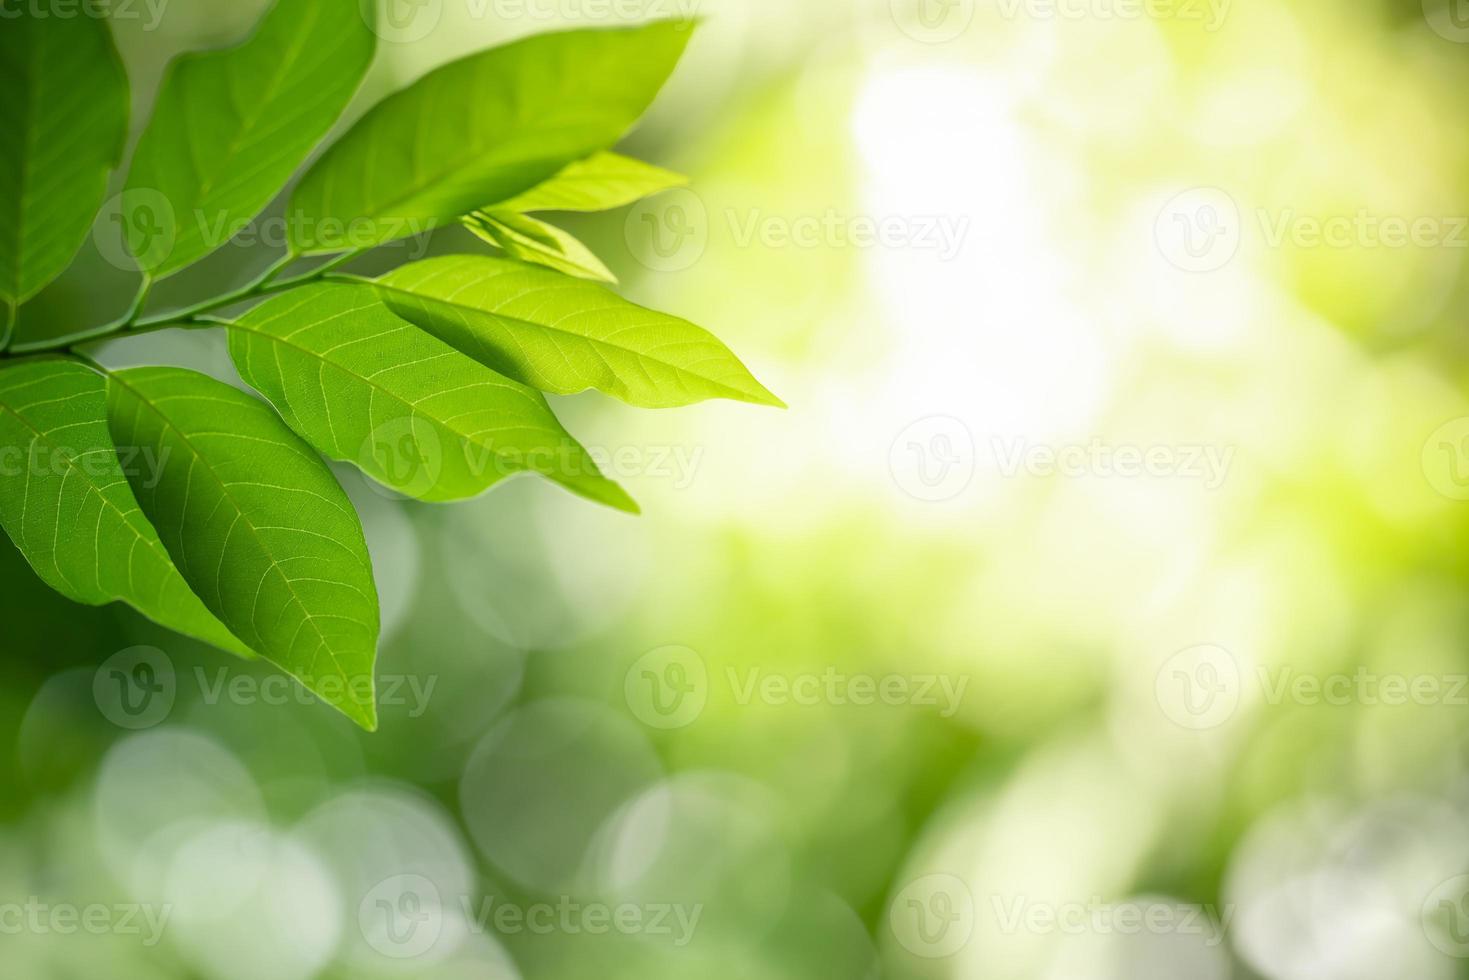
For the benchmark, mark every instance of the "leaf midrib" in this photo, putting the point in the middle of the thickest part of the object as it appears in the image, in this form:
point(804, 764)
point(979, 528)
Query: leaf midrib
point(593, 341)
point(72, 464)
point(364, 379)
point(254, 533)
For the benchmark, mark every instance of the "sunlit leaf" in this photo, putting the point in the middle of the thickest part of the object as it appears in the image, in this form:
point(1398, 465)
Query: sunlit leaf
point(67, 506)
point(566, 335)
point(258, 526)
point(63, 116)
point(363, 386)
point(523, 237)
point(480, 130)
point(601, 182)
point(231, 126)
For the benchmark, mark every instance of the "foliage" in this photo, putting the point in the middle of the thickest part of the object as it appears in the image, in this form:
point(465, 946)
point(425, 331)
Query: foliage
point(428, 379)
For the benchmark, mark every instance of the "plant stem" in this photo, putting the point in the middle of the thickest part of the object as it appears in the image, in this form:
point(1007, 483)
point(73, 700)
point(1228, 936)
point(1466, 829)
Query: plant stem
point(259, 286)
point(267, 283)
point(90, 363)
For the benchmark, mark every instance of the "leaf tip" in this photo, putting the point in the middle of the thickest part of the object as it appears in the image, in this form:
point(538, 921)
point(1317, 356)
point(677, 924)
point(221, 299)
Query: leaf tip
point(619, 499)
point(363, 715)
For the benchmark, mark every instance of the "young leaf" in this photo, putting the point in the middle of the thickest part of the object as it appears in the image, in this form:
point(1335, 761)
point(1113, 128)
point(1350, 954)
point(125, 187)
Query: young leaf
point(365, 387)
point(523, 237)
point(258, 526)
point(67, 506)
point(601, 182)
point(567, 335)
point(63, 113)
point(231, 126)
point(481, 129)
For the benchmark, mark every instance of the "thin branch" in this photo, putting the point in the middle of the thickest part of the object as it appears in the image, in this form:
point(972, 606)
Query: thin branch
point(266, 284)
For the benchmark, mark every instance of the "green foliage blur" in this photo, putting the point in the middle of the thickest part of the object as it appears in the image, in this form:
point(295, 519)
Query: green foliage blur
point(915, 680)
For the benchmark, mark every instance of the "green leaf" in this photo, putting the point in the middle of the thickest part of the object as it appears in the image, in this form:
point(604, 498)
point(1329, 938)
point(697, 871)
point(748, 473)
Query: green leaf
point(480, 130)
point(231, 126)
point(365, 387)
point(523, 237)
point(601, 182)
point(566, 335)
point(66, 504)
point(258, 526)
point(63, 113)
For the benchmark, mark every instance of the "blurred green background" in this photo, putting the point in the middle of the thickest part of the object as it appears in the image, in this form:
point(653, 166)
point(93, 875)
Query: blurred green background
point(1098, 609)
